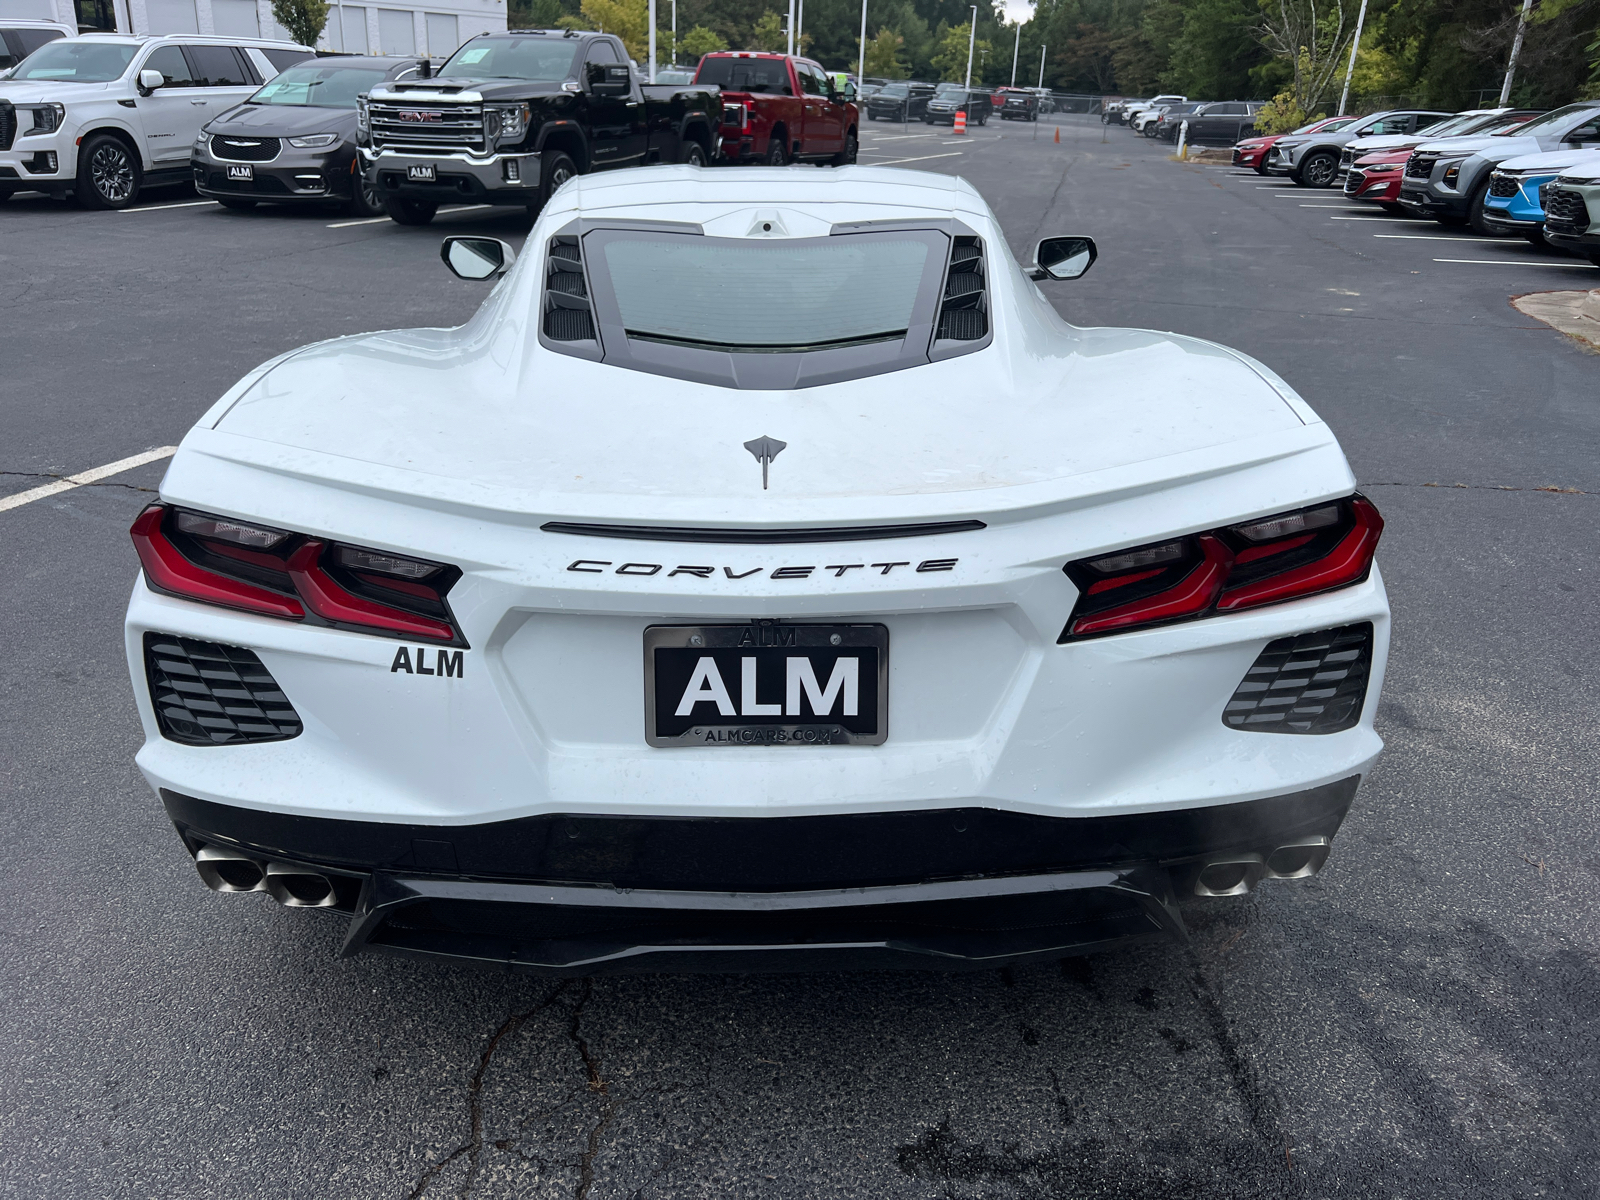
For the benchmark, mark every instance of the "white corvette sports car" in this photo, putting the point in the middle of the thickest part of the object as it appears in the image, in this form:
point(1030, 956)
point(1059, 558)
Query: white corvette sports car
point(765, 577)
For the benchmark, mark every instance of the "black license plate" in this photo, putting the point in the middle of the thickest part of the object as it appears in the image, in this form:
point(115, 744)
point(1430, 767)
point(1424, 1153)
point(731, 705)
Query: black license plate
point(244, 174)
point(766, 684)
point(421, 172)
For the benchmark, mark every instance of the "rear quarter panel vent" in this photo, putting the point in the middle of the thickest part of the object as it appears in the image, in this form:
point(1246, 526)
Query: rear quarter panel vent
point(566, 322)
point(963, 324)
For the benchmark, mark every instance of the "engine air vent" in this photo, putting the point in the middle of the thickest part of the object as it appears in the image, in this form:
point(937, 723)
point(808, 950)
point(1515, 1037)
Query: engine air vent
point(568, 321)
point(963, 307)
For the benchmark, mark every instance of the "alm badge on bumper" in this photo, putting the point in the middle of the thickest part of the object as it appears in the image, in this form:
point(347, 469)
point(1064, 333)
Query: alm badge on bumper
point(766, 684)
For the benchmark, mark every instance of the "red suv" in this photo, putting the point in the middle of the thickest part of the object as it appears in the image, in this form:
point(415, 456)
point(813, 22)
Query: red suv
point(1252, 152)
point(778, 109)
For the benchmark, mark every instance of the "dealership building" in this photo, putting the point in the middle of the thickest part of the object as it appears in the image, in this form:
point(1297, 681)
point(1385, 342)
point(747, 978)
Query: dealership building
point(434, 27)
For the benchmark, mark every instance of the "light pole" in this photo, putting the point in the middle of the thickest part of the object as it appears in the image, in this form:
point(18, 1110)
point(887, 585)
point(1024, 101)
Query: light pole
point(791, 26)
point(972, 37)
point(1016, 49)
point(674, 32)
point(1516, 49)
point(861, 63)
point(1344, 97)
point(652, 18)
point(1041, 65)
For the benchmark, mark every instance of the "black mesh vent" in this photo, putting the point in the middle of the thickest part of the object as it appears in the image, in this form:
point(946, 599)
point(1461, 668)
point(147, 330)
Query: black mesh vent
point(245, 149)
point(1310, 683)
point(1500, 185)
point(1565, 212)
point(568, 316)
point(963, 311)
point(206, 694)
point(8, 124)
point(1420, 166)
point(569, 325)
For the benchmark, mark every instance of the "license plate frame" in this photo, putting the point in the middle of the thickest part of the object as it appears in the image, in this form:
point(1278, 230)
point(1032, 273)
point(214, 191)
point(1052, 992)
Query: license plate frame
point(241, 173)
point(667, 648)
point(422, 173)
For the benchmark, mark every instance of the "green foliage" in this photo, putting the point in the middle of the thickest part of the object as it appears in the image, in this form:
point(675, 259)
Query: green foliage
point(769, 34)
point(303, 19)
point(883, 56)
point(700, 41)
point(1281, 114)
point(950, 60)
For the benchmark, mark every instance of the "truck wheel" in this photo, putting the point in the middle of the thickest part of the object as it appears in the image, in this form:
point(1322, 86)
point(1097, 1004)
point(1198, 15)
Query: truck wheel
point(409, 212)
point(554, 170)
point(365, 198)
point(777, 154)
point(108, 173)
point(847, 156)
point(694, 155)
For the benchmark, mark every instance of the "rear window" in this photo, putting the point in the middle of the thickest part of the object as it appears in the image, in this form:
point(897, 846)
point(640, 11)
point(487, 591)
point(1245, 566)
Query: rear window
point(547, 60)
point(832, 291)
point(284, 59)
point(320, 87)
point(71, 61)
point(763, 76)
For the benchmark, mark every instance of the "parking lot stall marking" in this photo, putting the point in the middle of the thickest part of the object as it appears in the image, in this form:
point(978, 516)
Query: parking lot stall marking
point(1391, 220)
point(362, 221)
point(159, 207)
point(93, 475)
point(922, 158)
point(1429, 237)
point(1517, 262)
point(1336, 207)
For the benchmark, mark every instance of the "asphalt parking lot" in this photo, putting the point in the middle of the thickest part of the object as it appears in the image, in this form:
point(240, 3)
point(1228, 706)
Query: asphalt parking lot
point(1419, 1020)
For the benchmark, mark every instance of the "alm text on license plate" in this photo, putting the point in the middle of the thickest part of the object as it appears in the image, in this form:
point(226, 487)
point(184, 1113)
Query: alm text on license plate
point(766, 684)
point(422, 172)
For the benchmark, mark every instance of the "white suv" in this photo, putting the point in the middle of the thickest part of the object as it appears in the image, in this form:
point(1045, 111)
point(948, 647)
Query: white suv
point(20, 38)
point(104, 114)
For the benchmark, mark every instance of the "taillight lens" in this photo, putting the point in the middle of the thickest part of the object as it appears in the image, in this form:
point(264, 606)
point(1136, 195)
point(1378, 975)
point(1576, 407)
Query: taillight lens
point(277, 573)
point(1266, 561)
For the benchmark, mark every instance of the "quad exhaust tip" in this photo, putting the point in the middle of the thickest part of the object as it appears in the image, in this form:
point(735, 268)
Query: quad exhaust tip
point(1238, 874)
point(292, 886)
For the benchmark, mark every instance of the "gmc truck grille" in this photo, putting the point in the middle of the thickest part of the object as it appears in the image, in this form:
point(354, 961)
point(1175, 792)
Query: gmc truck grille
point(1500, 185)
point(242, 149)
point(427, 127)
point(8, 124)
point(1565, 212)
point(1420, 166)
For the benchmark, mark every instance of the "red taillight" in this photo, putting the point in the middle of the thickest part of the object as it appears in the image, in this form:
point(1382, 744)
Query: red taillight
point(169, 571)
point(279, 574)
point(1266, 561)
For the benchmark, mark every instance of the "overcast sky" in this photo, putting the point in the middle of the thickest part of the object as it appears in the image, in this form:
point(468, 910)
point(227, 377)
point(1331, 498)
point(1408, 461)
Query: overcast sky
point(1017, 10)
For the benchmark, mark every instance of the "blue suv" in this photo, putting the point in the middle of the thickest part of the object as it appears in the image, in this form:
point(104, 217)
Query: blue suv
point(1513, 204)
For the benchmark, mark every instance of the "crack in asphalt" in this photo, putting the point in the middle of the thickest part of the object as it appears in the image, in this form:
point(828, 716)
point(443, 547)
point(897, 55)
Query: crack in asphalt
point(1490, 487)
point(597, 1083)
point(473, 1146)
point(52, 477)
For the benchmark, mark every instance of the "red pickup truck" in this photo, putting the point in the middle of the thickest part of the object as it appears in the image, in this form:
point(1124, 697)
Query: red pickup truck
point(778, 109)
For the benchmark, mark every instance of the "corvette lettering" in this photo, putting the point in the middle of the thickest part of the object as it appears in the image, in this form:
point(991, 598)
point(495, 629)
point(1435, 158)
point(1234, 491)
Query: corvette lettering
point(598, 566)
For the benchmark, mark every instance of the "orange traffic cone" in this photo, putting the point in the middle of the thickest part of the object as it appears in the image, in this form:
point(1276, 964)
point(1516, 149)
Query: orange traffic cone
point(1058, 135)
point(961, 121)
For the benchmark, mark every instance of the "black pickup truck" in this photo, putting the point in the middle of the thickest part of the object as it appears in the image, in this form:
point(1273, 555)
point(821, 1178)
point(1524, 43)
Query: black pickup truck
point(512, 116)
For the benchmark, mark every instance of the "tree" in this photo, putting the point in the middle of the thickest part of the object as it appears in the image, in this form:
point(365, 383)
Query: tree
point(769, 34)
point(303, 19)
point(699, 42)
point(627, 19)
point(951, 60)
point(1314, 42)
point(537, 14)
point(883, 56)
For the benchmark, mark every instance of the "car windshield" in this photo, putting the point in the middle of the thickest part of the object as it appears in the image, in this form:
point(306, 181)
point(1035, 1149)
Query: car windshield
point(540, 59)
point(72, 61)
point(894, 89)
point(320, 87)
point(832, 291)
point(674, 76)
point(1456, 124)
point(1326, 126)
point(1555, 121)
point(755, 75)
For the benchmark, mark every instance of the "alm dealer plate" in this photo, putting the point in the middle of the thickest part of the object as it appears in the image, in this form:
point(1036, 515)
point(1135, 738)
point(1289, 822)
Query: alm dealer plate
point(766, 684)
point(421, 172)
point(245, 173)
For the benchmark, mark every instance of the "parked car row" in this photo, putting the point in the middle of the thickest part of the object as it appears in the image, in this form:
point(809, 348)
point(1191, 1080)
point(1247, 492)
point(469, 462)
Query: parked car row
point(1165, 117)
point(1501, 172)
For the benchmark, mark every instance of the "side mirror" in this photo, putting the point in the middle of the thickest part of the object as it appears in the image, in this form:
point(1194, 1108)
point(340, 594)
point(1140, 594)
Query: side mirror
point(149, 81)
point(610, 79)
point(1063, 258)
point(477, 258)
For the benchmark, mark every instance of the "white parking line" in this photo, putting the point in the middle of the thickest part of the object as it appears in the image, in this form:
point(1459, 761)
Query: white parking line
point(448, 212)
point(363, 221)
point(1429, 237)
point(1515, 262)
point(922, 158)
point(898, 137)
point(159, 207)
point(93, 475)
point(1338, 207)
point(1391, 220)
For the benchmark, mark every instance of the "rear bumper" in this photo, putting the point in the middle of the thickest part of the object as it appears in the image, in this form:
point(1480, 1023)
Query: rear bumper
point(458, 177)
point(571, 894)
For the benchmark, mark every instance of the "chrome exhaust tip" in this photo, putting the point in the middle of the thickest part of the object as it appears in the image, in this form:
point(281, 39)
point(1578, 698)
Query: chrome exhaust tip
point(299, 887)
point(1233, 876)
point(1298, 860)
point(229, 871)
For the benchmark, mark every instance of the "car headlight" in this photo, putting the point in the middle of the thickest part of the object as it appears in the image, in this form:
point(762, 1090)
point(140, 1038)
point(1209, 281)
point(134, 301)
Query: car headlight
point(1375, 167)
point(201, 138)
point(47, 118)
point(505, 122)
point(313, 140)
point(363, 116)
